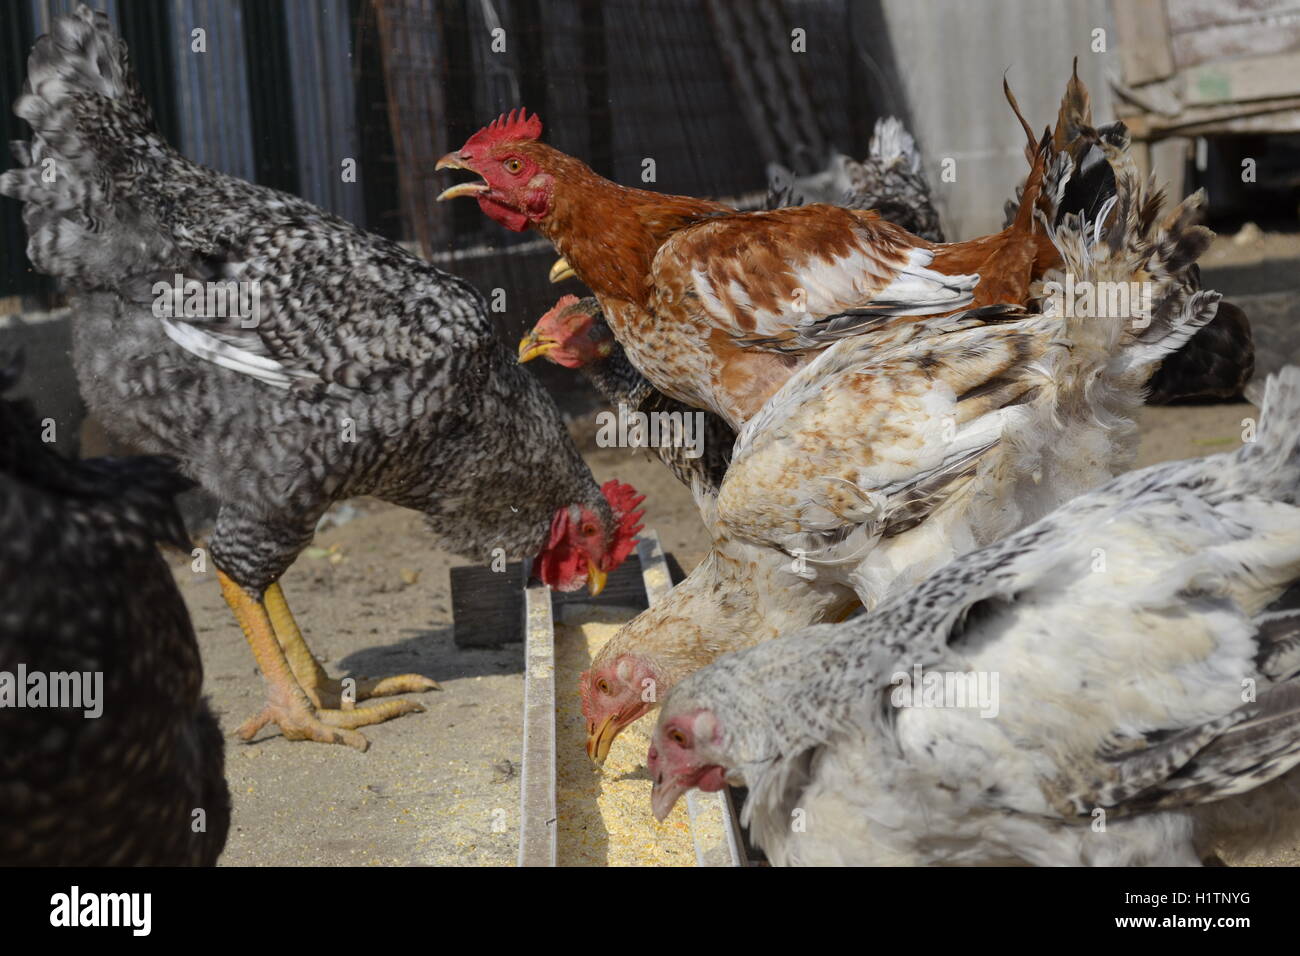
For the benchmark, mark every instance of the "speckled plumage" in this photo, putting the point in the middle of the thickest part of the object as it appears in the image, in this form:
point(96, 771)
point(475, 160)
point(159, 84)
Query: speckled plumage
point(617, 381)
point(896, 450)
point(889, 180)
point(1218, 362)
point(86, 590)
point(372, 371)
point(1147, 640)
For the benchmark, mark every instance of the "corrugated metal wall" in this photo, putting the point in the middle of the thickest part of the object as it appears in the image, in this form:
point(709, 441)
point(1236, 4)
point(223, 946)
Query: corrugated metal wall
point(272, 99)
point(325, 116)
point(212, 86)
point(951, 55)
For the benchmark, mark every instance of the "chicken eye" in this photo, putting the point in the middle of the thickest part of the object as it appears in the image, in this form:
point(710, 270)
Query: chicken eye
point(602, 685)
point(589, 530)
point(513, 165)
point(677, 737)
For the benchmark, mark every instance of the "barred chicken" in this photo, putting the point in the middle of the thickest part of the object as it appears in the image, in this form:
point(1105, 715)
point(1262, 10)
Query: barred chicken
point(346, 367)
point(109, 755)
point(889, 180)
point(1133, 660)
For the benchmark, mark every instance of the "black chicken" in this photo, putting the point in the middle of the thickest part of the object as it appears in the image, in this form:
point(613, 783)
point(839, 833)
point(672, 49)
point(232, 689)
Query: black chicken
point(338, 365)
point(129, 769)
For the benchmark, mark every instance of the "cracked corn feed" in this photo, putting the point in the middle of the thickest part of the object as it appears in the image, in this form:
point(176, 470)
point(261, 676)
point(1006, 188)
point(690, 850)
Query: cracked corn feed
point(604, 816)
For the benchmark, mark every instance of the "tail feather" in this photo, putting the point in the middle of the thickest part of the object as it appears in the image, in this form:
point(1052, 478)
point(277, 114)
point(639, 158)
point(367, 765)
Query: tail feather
point(891, 143)
point(89, 120)
point(1274, 456)
point(1075, 114)
point(1123, 289)
point(1031, 141)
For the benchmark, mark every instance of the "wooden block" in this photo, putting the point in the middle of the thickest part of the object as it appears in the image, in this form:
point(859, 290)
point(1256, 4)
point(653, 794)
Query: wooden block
point(487, 607)
point(623, 589)
point(1236, 81)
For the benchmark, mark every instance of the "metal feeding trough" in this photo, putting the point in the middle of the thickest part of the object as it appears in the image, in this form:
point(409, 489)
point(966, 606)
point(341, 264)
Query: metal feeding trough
point(494, 608)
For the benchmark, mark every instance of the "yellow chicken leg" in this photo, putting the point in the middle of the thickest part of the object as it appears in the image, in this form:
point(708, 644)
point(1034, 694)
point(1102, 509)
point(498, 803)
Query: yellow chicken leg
point(323, 690)
point(288, 706)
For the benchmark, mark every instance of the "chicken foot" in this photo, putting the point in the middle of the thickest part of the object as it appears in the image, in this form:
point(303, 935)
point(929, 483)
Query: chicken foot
point(288, 705)
point(323, 690)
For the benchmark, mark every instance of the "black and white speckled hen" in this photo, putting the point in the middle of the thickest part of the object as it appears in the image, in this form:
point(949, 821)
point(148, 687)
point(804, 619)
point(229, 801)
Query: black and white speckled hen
point(351, 368)
point(114, 773)
point(889, 180)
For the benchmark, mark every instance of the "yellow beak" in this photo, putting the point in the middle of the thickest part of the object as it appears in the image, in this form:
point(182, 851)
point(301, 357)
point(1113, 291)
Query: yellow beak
point(561, 271)
point(452, 161)
point(464, 189)
point(600, 740)
point(595, 579)
point(533, 345)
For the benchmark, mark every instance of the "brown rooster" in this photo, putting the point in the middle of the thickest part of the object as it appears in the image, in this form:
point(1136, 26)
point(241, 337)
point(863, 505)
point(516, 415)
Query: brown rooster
point(718, 308)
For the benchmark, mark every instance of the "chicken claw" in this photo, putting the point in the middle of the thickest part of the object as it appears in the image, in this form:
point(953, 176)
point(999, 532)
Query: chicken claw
point(289, 705)
point(325, 726)
point(323, 690)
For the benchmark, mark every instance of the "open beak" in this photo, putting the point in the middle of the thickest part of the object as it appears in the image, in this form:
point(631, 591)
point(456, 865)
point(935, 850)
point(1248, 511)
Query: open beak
point(531, 346)
point(452, 161)
point(596, 579)
point(601, 739)
point(664, 797)
point(561, 271)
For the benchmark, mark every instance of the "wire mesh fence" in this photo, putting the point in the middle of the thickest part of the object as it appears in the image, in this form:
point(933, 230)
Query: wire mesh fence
point(685, 96)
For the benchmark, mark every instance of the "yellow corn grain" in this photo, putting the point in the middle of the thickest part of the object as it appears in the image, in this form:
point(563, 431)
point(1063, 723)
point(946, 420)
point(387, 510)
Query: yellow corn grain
point(604, 814)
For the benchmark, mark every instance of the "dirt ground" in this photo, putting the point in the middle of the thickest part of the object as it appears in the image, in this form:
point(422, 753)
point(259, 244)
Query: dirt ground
point(373, 599)
point(442, 787)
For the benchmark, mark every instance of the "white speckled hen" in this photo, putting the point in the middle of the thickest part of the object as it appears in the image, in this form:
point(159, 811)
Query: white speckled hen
point(358, 369)
point(113, 775)
point(1139, 654)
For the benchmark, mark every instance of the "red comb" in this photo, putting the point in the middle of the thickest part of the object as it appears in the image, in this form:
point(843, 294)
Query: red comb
point(515, 125)
point(624, 500)
point(564, 303)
